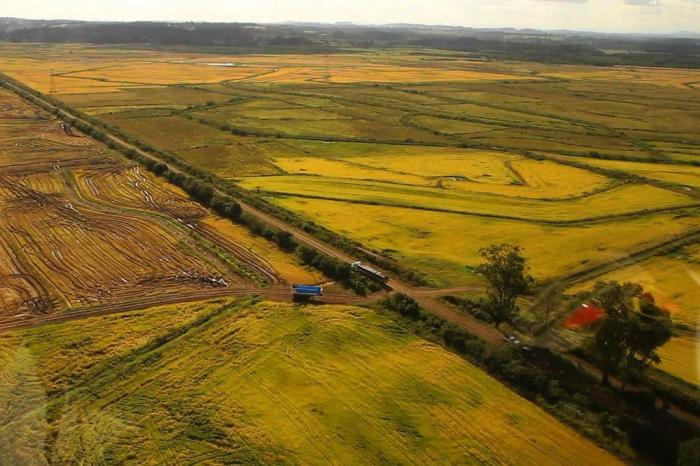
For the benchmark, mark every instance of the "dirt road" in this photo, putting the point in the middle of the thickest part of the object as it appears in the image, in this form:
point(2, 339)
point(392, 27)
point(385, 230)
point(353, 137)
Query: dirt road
point(275, 293)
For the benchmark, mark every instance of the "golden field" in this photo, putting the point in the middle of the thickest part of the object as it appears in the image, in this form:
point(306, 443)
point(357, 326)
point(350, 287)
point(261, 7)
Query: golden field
point(626, 200)
point(222, 382)
point(443, 243)
point(679, 357)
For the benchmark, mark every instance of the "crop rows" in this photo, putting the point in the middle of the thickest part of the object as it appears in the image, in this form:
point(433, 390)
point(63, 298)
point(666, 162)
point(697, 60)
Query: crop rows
point(79, 227)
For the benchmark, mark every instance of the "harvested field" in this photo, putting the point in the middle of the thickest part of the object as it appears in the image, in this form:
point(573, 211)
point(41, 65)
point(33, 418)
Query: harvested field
point(80, 227)
point(271, 383)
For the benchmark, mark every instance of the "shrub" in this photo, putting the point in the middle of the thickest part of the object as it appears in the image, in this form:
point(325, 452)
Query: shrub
point(404, 305)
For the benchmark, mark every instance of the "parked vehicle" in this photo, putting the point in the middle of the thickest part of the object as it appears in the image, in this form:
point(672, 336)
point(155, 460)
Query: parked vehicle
point(370, 272)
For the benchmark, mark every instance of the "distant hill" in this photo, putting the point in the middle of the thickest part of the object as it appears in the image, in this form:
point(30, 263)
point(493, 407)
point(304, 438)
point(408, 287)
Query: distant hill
point(677, 50)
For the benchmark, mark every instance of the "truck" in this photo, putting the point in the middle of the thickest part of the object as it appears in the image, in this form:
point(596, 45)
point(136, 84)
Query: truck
point(370, 272)
point(307, 291)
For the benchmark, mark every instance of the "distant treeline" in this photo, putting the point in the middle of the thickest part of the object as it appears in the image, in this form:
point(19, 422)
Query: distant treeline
point(240, 35)
point(549, 47)
point(663, 52)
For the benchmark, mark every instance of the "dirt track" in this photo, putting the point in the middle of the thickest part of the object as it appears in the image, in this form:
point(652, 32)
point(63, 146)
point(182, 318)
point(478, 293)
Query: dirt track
point(276, 293)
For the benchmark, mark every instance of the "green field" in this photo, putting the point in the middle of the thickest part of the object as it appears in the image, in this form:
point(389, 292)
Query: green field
point(221, 383)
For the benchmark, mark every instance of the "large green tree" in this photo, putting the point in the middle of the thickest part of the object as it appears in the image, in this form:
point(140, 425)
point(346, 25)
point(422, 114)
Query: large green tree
point(627, 338)
point(505, 270)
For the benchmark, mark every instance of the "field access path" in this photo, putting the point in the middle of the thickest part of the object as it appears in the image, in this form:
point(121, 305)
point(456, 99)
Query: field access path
point(273, 293)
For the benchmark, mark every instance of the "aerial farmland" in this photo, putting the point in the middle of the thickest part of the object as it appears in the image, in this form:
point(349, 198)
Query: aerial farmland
point(159, 204)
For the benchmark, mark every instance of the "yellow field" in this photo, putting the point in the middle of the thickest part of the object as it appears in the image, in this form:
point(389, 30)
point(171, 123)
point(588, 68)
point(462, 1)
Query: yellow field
point(639, 75)
point(674, 282)
point(267, 383)
point(618, 201)
point(88, 70)
point(681, 357)
point(481, 172)
point(680, 174)
point(344, 169)
point(163, 73)
point(480, 166)
point(442, 244)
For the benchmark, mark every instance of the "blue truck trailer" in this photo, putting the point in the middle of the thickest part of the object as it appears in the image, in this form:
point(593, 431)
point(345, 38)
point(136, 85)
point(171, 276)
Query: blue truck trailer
point(307, 291)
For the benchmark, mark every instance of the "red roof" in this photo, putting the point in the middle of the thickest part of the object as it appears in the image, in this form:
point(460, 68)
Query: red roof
point(583, 316)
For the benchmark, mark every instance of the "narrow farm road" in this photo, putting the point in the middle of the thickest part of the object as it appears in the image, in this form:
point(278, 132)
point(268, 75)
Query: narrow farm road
point(275, 293)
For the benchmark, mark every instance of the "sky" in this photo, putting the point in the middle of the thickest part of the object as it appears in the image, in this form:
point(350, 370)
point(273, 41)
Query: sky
point(645, 16)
